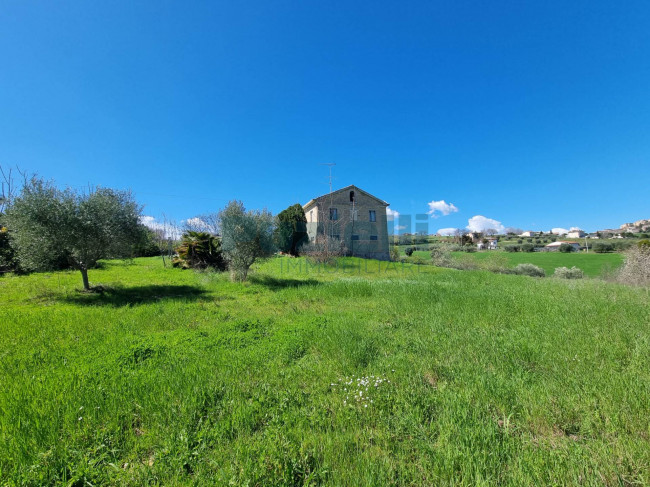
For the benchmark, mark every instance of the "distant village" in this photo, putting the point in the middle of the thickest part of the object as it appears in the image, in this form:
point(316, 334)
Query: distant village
point(554, 240)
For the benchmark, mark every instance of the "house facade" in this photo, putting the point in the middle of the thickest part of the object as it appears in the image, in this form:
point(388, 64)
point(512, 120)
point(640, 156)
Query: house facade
point(491, 244)
point(353, 216)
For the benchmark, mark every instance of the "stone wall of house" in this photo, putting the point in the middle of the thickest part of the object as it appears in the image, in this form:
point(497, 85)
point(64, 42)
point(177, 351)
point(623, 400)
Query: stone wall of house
point(353, 224)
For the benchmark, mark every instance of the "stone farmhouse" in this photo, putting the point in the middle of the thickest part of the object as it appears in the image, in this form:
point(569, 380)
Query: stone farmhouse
point(353, 216)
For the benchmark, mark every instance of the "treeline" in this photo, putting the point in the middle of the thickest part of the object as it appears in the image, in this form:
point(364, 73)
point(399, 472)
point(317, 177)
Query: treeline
point(43, 228)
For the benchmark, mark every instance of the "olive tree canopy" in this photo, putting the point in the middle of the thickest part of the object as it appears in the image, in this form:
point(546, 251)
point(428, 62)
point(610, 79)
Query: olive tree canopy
point(45, 221)
point(245, 237)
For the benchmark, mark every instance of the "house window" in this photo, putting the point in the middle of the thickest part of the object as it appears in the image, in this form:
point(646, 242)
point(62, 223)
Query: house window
point(334, 214)
point(351, 195)
point(373, 216)
point(355, 237)
point(373, 237)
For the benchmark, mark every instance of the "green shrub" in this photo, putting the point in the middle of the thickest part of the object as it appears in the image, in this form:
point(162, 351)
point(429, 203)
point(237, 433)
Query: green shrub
point(409, 251)
point(566, 273)
point(621, 245)
point(394, 253)
point(520, 241)
point(511, 248)
point(528, 247)
point(566, 248)
point(147, 245)
point(469, 248)
point(441, 257)
point(602, 247)
point(528, 270)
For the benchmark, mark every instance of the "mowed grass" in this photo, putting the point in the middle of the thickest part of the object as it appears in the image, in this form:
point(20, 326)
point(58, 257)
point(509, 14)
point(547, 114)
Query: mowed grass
point(179, 378)
point(592, 264)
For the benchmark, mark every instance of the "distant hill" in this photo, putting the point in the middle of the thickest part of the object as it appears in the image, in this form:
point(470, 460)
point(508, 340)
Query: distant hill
point(636, 227)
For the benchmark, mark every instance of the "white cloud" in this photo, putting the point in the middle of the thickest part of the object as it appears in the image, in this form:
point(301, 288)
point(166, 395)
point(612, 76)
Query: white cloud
point(147, 221)
point(196, 224)
point(559, 231)
point(480, 223)
point(194, 221)
point(445, 232)
point(169, 229)
point(441, 206)
point(392, 214)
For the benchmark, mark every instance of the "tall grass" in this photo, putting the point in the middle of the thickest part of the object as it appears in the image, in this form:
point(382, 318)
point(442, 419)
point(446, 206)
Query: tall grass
point(179, 378)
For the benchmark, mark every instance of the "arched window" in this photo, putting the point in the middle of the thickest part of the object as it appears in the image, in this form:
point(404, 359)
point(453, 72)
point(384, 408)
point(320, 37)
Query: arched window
point(351, 195)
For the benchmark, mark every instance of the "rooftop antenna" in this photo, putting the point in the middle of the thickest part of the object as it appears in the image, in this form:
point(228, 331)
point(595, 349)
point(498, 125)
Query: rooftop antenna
point(330, 164)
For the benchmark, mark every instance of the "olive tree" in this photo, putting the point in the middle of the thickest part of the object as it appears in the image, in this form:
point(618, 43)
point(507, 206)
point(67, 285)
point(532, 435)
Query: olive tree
point(46, 221)
point(245, 237)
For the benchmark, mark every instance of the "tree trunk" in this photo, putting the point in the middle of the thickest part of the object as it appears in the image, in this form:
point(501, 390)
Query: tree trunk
point(84, 276)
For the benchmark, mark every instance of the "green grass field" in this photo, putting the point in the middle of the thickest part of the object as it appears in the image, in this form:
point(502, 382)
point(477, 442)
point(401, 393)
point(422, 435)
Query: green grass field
point(179, 378)
point(593, 264)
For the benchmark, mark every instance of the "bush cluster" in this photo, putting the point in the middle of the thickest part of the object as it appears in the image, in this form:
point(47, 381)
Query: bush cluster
point(526, 247)
point(527, 270)
point(602, 247)
point(566, 273)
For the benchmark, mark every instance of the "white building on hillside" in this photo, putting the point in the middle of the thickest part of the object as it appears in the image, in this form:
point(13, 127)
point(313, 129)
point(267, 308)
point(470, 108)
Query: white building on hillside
point(556, 245)
point(492, 244)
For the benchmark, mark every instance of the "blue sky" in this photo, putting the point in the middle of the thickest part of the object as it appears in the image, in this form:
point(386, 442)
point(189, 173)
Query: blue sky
point(534, 114)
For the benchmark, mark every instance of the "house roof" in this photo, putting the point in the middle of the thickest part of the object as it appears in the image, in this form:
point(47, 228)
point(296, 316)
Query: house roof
point(560, 242)
point(313, 201)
